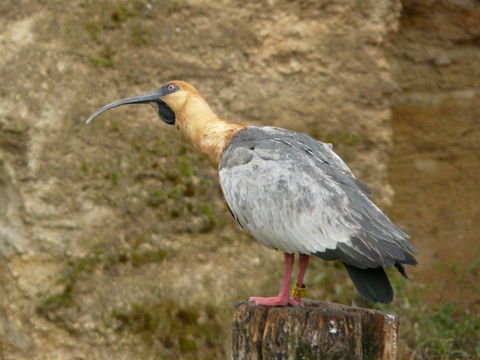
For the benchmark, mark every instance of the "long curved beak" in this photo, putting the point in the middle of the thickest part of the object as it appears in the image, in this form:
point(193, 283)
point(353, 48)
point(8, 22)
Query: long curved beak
point(141, 99)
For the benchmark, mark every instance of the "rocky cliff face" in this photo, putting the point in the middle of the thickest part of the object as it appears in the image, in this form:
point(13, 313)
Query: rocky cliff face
point(114, 240)
point(435, 164)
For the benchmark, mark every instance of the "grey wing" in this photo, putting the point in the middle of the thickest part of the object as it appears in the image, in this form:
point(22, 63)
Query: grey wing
point(296, 195)
point(322, 152)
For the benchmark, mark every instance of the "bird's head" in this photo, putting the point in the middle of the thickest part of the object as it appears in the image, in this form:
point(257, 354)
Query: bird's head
point(170, 99)
point(180, 104)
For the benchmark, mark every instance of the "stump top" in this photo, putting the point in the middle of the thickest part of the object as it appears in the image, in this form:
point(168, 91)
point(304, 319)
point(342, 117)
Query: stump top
point(322, 305)
point(318, 330)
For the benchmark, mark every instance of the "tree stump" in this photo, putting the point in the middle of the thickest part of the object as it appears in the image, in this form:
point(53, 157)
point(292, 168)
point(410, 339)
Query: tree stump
point(319, 330)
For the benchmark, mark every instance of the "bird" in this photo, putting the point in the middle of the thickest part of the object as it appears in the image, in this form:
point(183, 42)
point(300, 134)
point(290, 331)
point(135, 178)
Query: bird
point(291, 192)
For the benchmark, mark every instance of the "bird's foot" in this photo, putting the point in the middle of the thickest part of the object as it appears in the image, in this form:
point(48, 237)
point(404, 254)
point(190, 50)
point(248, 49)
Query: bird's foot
point(277, 301)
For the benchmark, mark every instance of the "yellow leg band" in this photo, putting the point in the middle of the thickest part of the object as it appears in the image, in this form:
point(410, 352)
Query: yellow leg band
point(297, 291)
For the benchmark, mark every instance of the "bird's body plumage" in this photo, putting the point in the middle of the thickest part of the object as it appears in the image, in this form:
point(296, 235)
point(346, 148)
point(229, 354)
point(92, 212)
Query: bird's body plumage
point(291, 192)
point(295, 194)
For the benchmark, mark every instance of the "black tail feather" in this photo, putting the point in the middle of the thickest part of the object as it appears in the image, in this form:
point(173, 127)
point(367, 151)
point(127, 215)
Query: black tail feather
point(372, 284)
point(401, 269)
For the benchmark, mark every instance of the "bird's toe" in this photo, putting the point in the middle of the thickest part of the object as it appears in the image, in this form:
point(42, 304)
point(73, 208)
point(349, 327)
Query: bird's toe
point(277, 301)
point(295, 301)
point(270, 301)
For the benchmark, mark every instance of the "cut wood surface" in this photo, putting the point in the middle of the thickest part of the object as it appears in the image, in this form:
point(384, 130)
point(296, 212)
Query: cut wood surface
point(319, 330)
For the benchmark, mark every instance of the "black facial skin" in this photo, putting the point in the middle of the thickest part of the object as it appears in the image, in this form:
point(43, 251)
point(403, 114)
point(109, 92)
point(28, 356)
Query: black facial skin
point(166, 114)
point(168, 89)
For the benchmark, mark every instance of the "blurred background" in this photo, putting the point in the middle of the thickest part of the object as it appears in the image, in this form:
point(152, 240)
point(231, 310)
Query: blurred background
point(115, 242)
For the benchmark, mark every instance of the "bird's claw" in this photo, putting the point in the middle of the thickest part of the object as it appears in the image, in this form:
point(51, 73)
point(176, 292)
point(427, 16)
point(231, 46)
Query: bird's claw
point(277, 301)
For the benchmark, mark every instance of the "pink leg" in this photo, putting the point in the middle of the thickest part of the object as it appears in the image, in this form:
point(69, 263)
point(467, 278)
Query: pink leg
point(302, 268)
point(283, 299)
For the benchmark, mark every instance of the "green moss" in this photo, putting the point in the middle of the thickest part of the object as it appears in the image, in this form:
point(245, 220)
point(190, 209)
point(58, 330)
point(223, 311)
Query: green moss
point(70, 275)
point(84, 168)
point(78, 268)
point(115, 126)
point(445, 331)
point(174, 213)
point(187, 345)
point(138, 258)
point(101, 61)
point(187, 316)
point(93, 29)
point(193, 331)
point(172, 6)
point(114, 178)
point(206, 209)
point(157, 197)
point(139, 35)
point(173, 175)
point(190, 189)
point(104, 59)
point(53, 303)
point(121, 13)
point(448, 330)
point(210, 221)
point(111, 201)
point(177, 192)
point(187, 168)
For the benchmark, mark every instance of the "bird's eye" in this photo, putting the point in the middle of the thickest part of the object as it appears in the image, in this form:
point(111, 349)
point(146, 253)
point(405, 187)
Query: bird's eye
point(171, 87)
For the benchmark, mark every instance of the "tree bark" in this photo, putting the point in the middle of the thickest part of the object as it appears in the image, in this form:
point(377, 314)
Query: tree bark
point(319, 330)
